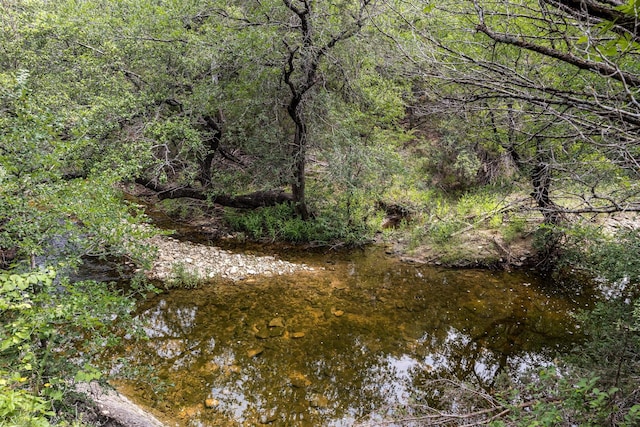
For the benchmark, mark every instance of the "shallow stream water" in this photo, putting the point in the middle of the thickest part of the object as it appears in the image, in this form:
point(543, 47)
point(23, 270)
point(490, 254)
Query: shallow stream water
point(362, 335)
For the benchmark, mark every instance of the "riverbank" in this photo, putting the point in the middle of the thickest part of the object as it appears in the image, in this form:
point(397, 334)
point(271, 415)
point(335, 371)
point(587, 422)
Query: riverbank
point(473, 247)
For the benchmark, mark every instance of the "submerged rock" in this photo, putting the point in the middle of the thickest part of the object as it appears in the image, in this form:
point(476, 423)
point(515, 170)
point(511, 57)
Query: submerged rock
point(277, 322)
point(254, 352)
point(276, 332)
point(263, 334)
point(269, 417)
point(211, 403)
point(319, 401)
point(299, 380)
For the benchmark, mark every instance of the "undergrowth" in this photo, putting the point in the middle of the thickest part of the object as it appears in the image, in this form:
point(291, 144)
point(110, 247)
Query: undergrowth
point(52, 332)
point(438, 218)
point(280, 223)
point(182, 277)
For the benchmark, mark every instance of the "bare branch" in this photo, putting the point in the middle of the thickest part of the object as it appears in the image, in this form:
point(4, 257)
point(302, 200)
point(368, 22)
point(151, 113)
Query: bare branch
point(603, 69)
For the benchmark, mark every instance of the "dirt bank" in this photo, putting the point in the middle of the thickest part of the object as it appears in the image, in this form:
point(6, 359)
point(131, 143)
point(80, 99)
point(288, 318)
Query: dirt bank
point(475, 248)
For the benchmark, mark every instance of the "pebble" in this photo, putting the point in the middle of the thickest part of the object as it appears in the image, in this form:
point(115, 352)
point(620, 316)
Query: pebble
point(255, 352)
point(209, 262)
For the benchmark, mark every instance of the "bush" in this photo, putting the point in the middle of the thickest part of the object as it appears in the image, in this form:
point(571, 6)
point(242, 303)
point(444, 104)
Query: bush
point(441, 232)
point(515, 228)
point(182, 277)
point(606, 364)
point(552, 398)
point(44, 321)
point(452, 164)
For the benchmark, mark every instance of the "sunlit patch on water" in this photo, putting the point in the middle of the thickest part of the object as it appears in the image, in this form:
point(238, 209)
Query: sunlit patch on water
point(360, 337)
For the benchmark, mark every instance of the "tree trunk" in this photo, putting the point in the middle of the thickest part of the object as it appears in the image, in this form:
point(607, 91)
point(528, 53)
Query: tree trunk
point(305, 59)
point(541, 181)
point(254, 200)
point(213, 125)
point(299, 155)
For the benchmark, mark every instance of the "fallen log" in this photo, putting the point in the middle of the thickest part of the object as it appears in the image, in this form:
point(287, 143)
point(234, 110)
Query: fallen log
point(253, 200)
point(116, 408)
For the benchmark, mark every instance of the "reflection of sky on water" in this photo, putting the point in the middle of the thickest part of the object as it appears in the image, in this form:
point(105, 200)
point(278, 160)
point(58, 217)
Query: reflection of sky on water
point(373, 337)
point(400, 371)
point(156, 325)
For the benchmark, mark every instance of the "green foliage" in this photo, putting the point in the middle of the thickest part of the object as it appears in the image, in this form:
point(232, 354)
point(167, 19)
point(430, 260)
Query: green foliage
point(589, 248)
point(477, 204)
point(281, 223)
point(449, 215)
point(20, 408)
point(182, 277)
point(441, 232)
point(40, 205)
point(451, 163)
point(612, 348)
point(135, 89)
point(516, 227)
point(273, 223)
point(51, 333)
point(603, 367)
point(551, 398)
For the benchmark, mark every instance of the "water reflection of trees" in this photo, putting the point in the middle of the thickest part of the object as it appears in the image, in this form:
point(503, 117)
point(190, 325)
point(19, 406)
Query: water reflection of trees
point(390, 342)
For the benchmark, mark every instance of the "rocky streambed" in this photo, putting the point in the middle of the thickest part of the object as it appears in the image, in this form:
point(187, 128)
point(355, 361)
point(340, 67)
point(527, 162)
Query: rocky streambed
point(176, 259)
point(182, 259)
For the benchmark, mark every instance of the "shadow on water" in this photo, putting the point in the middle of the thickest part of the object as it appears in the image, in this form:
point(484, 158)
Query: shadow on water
point(359, 336)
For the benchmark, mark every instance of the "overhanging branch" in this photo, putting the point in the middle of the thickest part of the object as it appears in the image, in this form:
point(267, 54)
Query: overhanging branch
point(603, 69)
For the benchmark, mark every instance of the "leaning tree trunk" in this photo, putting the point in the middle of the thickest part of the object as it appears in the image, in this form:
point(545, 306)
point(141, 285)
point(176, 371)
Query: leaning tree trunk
point(253, 200)
point(214, 126)
point(541, 181)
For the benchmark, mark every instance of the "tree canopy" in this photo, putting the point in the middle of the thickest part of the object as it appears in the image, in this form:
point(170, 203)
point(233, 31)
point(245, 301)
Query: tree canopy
point(551, 84)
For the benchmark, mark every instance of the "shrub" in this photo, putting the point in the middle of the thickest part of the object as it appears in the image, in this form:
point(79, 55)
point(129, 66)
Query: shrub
point(182, 277)
point(441, 232)
point(515, 228)
point(452, 164)
point(44, 320)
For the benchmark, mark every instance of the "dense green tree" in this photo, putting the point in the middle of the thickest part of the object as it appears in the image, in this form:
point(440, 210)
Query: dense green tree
point(547, 84)
point(44, 210)
point(58, 203)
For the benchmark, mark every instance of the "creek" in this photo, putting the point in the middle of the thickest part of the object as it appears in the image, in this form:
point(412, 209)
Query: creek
point(358, 338)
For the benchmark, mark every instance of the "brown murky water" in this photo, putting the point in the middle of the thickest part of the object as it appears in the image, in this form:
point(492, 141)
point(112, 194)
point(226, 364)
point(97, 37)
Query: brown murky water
point(360, 336)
